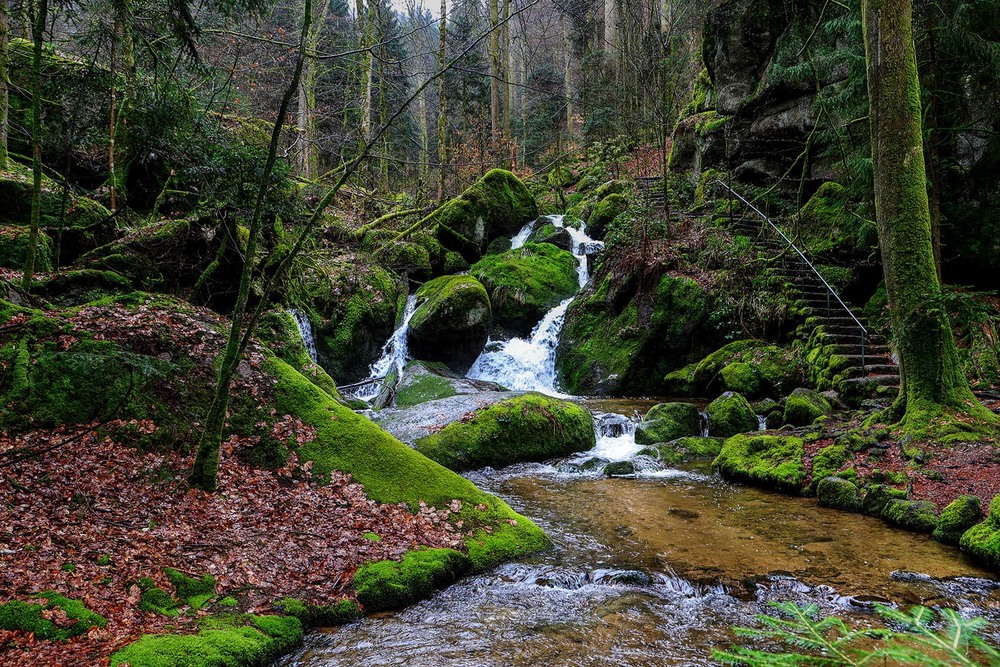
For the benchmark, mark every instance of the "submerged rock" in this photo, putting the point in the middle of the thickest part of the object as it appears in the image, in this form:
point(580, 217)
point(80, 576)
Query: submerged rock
point(525, 283)
point(451, 322)
point(731, 414)
point(668, 421)
point(619, 469)
point(531, 427)
point(772, 461)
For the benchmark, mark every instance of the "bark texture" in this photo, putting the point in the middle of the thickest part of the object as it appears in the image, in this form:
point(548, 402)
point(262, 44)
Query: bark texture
point(933, 382)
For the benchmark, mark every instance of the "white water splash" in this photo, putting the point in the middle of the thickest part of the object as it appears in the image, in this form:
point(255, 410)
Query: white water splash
point(305, 330)
point(530, 364)
point(394, 354)
point(522, 236)
point(615, 437)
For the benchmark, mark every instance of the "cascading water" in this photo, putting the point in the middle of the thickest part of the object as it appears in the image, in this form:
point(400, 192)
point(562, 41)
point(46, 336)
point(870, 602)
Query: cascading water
point(530, 364)
point(305, 330)
point(394, 354)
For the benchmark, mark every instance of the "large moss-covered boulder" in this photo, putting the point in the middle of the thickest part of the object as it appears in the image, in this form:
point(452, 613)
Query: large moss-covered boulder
point(352, 303)
point(497, 205)
point(451, 322)
point(557, 236)
point(916, 515)
point(617, 340)
point(750, 367)
point(771, 461)
point(983, 540)
point(877, 496)
point(668, 421)
point(730, 414)
point(531, 427)
point(14, 244)
point(389, 584)
point(841, 494)
point(804, 406)
point(604, 214)
point(959, 516)
point(525, 283)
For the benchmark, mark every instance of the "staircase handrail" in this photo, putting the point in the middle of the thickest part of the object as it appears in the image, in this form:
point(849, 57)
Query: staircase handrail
point(864, 331)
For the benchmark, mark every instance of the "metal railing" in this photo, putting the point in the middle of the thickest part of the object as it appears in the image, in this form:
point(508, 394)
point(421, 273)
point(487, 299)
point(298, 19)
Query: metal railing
point(829, 290)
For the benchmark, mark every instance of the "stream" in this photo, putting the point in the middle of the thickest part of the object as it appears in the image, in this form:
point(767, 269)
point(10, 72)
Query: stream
point(652, 569)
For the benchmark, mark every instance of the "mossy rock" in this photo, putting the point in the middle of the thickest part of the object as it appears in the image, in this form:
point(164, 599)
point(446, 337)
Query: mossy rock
point(352, 303)
point(730, 414)
point(327, 615)
point(804, 406)
point(877, 496)
point(828, 462)
point(76, 287)
point(741, 378)
point(224, 641)
point(30, 616)
point(526, 283)
point(531, 427)
point(668, 421)
point(557, 236)
point(681, 382)
point(391, 472)
point(694, 448)
point(14, 244)
point(916, 515)
point(839, 494)
point(451, 322)
point(424, 381)
point(619, 469)
point(187, 587)
point(497, 205)
point(389, 584)
point(771, 461)
point(615, 341)
point(607, 209)
point(959, 516)
point(561, 176)
point(983, 540)
point(828, 227)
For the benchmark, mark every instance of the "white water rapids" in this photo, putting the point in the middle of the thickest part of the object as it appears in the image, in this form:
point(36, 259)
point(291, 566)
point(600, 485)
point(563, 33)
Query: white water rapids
point(394, 355)
point(305, 330)
point(530, 364)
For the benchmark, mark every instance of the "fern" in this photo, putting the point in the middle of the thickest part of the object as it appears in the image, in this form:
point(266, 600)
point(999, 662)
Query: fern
point(822, 642)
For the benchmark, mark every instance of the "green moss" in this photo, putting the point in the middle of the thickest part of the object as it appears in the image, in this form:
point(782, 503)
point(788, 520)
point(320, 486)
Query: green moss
point(391, 585)
point(451, 322)
point(961, 514)
point(604, 213)
point(423, 389)
point(496, 205)
point(29, 617)
point(878, 496)
point(772, 368)
point(278, 330)
point(767, 460)
point(532, 427)
point(14, 243)
point(804, 406)
point(983, 540)
point(526, 283)
point(236, 641)
point(681, 381)
point(158, 601)
point(827, 462)
point(741, 378)
point(730, 414)
point(337, 613)
point(187, 586)
point(916, 515)
point(838, 493)
point(668, 421)
point(694, 448)
point(391, 472)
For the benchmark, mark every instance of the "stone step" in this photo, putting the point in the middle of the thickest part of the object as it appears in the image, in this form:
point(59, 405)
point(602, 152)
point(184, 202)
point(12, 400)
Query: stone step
point(849, 349)
point(870, 360)
point(872, 370)
point(877, 380)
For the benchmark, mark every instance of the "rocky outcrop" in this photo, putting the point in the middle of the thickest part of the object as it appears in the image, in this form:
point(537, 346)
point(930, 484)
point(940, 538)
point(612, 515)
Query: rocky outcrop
point(451, 322)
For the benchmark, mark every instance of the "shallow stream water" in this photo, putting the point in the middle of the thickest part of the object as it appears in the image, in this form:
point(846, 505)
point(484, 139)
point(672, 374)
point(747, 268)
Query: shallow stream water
point(655, 570)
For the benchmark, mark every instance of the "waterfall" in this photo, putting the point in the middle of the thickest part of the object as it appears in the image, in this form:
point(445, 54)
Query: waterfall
point(521, 237)
point(394, 354)
point(530, 364)
point(305, 330)
point(615, 437)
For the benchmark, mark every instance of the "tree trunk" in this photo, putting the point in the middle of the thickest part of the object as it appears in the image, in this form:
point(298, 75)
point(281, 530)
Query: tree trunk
point(568, 74)
point(442, 119)
point(37, 36)
point(4, 80)
point(366, 67)
point(505, 67)
point(495, 72)
point(307, 155)
point(933, 146)
point(933, 382)
point(611, 26)
point(205, 471)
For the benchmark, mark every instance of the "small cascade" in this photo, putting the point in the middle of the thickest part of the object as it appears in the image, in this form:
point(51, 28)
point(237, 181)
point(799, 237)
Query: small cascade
point(530, 364)
point(615, 437)
point(761, 423)
point(394, 355)
point(704, 423)
point(521, 237)
point(305, 330)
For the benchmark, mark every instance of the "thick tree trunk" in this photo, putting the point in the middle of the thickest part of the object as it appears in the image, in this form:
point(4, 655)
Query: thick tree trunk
point(38, 37)
point(307, 156)
point(932, 378)
point(205, 471)
point(442, 119)
point(4, 80)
